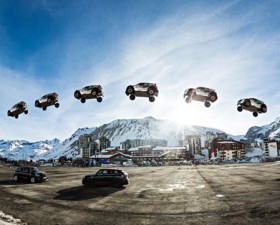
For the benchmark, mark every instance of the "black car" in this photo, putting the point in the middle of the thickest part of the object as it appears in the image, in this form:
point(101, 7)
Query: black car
point(30, 174)
point(107, 177)
point(17, 109)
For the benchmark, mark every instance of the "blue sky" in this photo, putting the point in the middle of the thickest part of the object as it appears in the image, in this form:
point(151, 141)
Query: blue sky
point(61, 46)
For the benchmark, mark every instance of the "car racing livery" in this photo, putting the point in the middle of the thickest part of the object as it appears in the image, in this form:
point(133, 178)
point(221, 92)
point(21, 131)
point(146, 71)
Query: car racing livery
point(17, 109)
point(201, 94)
point(149, 90)
point(253, 105)
point(89, 92)
point(47, 100)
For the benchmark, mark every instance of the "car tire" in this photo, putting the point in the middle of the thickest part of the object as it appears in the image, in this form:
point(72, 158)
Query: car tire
point(187, 99)
point(16, 116)
point(239, 108)
point(56, 105)
point(9, 113)
point(132, 97)
point(130, 90)
point(37, 103)
point(15, 178)
point(99, 99)
point(26, 112)
point(151, 91)
point(255, 114)
point(32, 180)
point(151, 99)
point(83, 100)
point(44, 108)
point(213, 97)
point(264, 108)
point(77, 94)
point(207, 104)
point(247, 103)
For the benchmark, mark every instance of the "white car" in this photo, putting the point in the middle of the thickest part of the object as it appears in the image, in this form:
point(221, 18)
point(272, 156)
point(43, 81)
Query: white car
point(253, 105)
point(201, 94)
point(149, 90)
point(47, 100)
point(89, 92)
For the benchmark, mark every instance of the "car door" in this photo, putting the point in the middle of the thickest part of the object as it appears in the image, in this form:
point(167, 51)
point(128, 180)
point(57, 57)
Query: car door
point(100, 178)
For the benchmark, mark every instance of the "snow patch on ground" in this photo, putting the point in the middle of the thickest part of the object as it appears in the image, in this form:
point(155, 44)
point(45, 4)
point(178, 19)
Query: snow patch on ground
point(9, 220)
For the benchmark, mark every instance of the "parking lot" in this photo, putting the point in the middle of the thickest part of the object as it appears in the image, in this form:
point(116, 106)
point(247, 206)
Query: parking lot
point(204, 194)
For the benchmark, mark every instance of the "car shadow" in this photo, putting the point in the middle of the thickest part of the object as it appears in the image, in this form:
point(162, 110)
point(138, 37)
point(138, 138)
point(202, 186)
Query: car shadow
point(83, 193)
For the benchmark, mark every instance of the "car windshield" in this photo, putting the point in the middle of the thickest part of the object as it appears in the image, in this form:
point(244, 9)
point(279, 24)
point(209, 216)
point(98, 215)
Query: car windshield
point(257, 101)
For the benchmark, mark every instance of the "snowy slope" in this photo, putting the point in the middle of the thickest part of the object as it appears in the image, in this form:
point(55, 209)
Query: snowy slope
point(271, 131)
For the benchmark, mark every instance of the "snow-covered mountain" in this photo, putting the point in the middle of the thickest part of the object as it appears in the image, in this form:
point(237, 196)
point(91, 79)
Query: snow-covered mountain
point(20, 149)
point(271, 131)
point(117, 131)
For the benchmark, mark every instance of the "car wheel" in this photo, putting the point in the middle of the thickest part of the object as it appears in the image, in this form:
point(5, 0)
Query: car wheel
point(151, 91)
point(132, 97)
point(207, 104)
point(255, 114)
point(213, 97)
point(9, 113)
point(15, 178)
point(83, 100)
point(188, 100)
point(239, 108)
point(77, 94)
point(248, 103)
point(263, 108)
point(16, 116)
point(32, 180)
point(130, 90)
point(26, 112)
point(37, 103)
point(56, 105)
point(151, 99)
point(44, 108)
point(99, 99)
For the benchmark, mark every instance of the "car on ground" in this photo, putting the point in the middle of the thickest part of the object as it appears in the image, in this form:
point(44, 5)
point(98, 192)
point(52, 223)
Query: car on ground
point(107, 177)
point(201, 94)
point(29, 174)
point(252, 105)
point(89, 92)
point(47, 100)
point(17, 109)
point(149, 90)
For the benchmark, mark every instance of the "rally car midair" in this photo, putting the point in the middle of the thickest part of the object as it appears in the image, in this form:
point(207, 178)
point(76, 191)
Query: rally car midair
point(252, 105)
point(47, 100)
point(89, 92)
point(149, 90)
point(20, 107)
point(201, 94)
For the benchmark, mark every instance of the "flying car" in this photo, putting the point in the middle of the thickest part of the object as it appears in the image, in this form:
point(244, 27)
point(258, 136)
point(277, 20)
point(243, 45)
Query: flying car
point(89, 92)
point(47, 100)
point(251, 104)
point(17, 109)
point(149, 90)
point(201, 94)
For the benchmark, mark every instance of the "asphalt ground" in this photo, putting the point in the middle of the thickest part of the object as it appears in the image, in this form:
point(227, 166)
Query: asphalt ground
point(204, 194)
